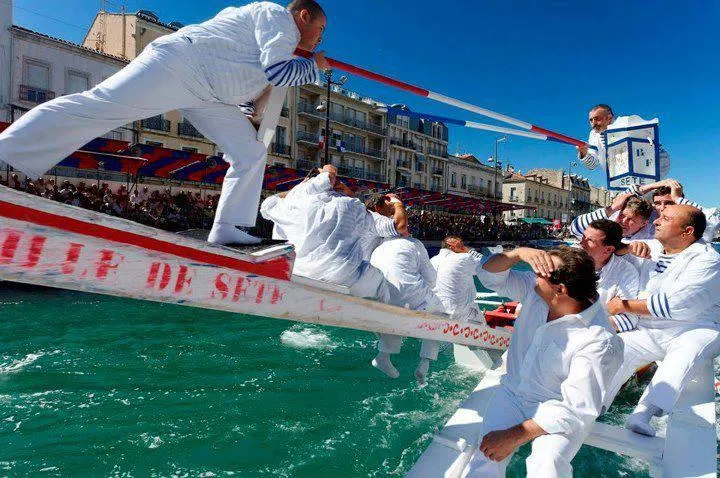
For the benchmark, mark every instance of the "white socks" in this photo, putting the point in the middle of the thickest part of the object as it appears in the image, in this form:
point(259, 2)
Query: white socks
point(224, 234)
point(382, 362)
point(639, 419)
point(422, 370)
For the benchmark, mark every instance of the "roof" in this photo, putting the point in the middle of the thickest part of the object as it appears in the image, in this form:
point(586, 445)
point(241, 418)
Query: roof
point(67, 43)
point(150, 17)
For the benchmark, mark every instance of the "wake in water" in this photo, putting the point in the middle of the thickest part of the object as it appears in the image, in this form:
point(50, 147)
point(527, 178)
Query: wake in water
point(303, 337)
point(8, 365)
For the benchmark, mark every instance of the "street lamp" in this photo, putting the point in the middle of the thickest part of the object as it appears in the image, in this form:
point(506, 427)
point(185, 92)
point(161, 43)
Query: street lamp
point(572, 164)
point(325, 106)
point(497, 162)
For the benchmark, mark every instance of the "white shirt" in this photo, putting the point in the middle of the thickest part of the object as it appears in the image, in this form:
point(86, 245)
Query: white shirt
point(233, 50)
point(455, 285)
point(564, 366)
point(686, 290)
point(405, 263)
point(619, 278)
point(325, 228)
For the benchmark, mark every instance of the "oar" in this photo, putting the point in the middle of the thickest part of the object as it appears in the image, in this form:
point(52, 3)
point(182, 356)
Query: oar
point(472, 124)
point(442, 98)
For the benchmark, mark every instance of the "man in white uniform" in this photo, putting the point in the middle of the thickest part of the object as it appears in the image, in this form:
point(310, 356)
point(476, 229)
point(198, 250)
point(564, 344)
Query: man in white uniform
point(617, 277)
point(456, 264)
point(405, 264)
point(668, 192)
point(679, 315)
point(594, 153)
point(632, 213)
point(325, 226)
point(204, 70)
point(562, 357)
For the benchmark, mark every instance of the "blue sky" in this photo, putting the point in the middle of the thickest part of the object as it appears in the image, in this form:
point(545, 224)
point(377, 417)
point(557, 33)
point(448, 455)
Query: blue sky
point(544, 62)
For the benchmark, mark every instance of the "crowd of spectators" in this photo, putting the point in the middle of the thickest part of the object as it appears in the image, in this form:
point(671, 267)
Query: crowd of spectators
point(430, 225)
point(161, 209)
point(187, 210)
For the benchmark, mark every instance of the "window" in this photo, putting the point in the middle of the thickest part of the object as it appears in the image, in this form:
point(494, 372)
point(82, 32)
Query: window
point(37, 74)
point(76, 82)
point(188, 149)
point(154, 143)
point(463, 181)
point(453, 180)
point(472, 181)
point(280, 135)
point(512, 193)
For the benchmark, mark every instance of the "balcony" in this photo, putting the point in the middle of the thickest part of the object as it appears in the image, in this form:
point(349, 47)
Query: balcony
point(280, 149)
point(403, 143)
point(306, 137)
point(437, 171)
point(514, 199)
point(436, 152)
point(403, 164)
point(306, 164)
point(156, 123)
point(35, 95)
point(375, 176)
point(418, 186)
point(436, 188)
point(187, 129)
point(285, 112)
point(309, 108)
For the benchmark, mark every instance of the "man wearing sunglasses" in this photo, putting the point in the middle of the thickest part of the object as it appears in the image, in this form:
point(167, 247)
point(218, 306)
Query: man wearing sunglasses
point(562, 357)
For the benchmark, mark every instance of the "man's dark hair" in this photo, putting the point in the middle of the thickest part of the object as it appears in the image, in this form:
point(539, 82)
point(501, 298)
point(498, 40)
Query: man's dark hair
point(577, 273)
point(603, 106)
point(444, 244)
point(612, 230)
point(313, 7)
point(374, 202)
point(639, 206)
point(697, 220)
point(661, 191)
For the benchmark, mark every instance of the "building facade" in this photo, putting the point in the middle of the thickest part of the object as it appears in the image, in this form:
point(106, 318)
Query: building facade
point(578, 186)
point(417, 152)
point(601, 197)
point(541, 198)
point(6, 19)
point(357, 136)
point(467, 176)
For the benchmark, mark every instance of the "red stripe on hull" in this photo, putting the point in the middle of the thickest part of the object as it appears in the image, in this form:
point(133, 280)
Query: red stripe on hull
point(278, 268)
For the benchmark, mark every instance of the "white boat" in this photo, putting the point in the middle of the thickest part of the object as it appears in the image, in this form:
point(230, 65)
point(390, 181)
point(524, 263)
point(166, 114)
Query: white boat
point(47, 243)
point(686, 448)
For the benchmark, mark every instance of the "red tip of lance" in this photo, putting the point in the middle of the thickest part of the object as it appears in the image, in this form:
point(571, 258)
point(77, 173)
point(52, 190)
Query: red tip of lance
point(557, 136)
point(368, 74)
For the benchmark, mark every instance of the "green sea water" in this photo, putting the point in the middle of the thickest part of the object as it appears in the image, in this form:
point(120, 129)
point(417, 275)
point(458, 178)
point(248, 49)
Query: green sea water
point(100, 386)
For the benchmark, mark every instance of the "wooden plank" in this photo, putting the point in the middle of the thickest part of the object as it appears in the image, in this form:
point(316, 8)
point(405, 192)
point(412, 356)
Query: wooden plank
point(47, 243)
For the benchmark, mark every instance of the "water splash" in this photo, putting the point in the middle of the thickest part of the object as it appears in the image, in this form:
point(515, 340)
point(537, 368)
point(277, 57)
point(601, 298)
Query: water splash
point(301, 337)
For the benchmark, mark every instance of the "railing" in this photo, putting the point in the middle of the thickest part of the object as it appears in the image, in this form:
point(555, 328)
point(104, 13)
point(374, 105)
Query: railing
point(351, 171)
point(514, 199)
point(403, 184)
point(157, 123)
point(281, 149)
point(403, 143)
point(436, 152)
point(307, 137)
point(285, 112)
point(306, 165)
point(418, 186)
point(375, 176)
point(35, 95)
point(438, 171)
point(187, 129)
point(309, 108)
point(436, 188)
point(403, 164)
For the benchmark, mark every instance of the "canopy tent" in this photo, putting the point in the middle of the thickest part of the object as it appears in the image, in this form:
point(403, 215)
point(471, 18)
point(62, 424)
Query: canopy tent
point(536, 220)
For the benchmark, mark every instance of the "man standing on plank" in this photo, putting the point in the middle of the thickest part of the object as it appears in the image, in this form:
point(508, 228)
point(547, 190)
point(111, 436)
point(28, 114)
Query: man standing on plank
point(204, 70)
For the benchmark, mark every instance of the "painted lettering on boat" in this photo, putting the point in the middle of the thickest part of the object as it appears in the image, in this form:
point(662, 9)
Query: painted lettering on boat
point(164, 271)
point(238, 288)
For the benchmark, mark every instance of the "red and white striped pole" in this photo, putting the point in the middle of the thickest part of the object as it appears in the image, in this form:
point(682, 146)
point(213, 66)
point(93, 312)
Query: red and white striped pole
point(386, 80)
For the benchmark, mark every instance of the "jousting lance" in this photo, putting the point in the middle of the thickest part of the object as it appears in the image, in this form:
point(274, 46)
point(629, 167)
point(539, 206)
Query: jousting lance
point(386, 80)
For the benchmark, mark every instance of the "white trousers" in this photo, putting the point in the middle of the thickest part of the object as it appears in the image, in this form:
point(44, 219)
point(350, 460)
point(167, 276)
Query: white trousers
point(551, 454)
point(162, 78)
point(679, 347)
point(429, 349)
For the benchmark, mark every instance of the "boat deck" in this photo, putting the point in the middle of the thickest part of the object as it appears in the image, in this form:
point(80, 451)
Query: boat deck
point(688, 447)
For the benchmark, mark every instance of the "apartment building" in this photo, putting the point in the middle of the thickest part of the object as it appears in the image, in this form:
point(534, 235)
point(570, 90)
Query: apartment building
point(468, 176)
point(417, 152)
point(357, 136)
